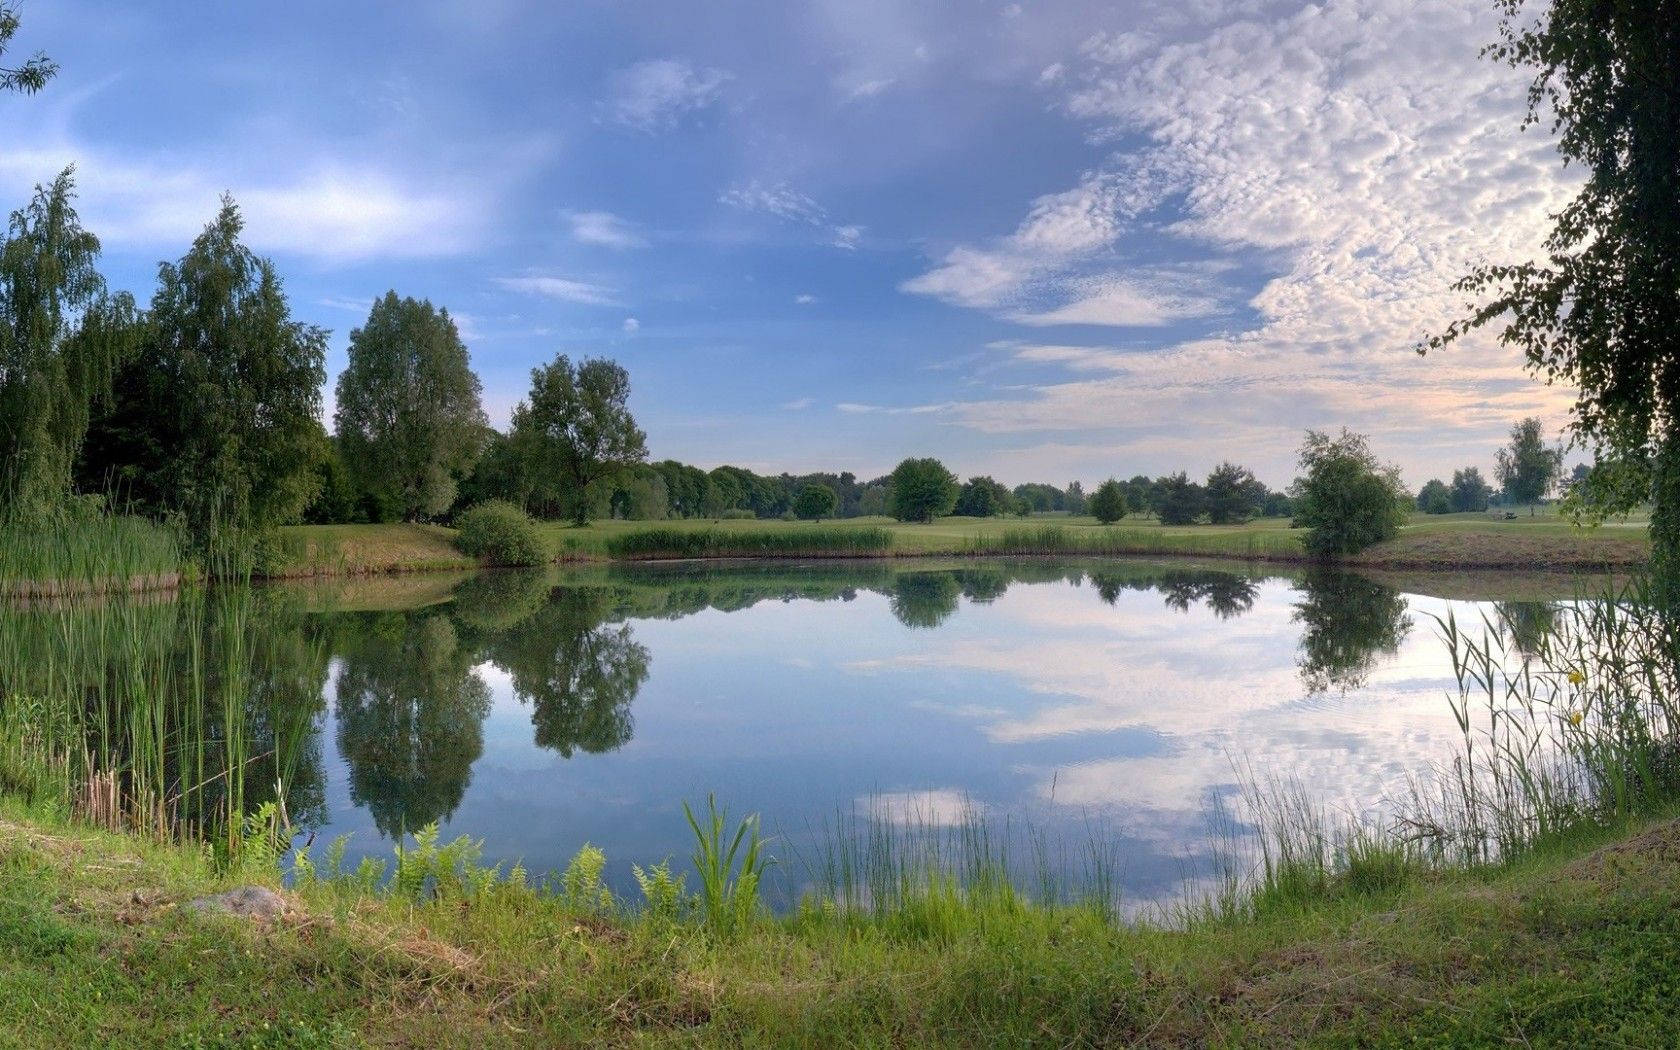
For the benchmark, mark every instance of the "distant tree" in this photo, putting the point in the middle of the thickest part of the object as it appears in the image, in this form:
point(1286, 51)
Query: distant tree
point(922, 489)
point(337, 500)
point(217, 413)
point(1108, 502)
point(872, 502)
point(1469, 492)
point(1180, 501)
point(1345, 499)
point(1277, 505)
point(1073, 498)
point(1602, 311)
point(983, 497)
point(1435, 497)
point(1039, 498)
point(815, 502)
point(33, 75)
point(578, 425)
point(1140, 495)
point(61, 338)
point(1526, 468)
point(1233, 495)
point(408, 416)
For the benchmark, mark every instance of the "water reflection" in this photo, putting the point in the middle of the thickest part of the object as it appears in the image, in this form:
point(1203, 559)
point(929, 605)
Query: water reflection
point(1348, 624)
point(578, 673)
point(541, 710)
point(410, 714)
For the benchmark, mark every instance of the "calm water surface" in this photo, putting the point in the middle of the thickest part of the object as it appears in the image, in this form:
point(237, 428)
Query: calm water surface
point(537, 712)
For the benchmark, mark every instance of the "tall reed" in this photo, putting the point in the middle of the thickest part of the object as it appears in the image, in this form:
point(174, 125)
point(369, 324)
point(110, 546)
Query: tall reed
point(799, 542)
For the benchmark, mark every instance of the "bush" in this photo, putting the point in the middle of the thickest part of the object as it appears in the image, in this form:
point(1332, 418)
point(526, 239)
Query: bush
point(501, 534)
point(1346, 500)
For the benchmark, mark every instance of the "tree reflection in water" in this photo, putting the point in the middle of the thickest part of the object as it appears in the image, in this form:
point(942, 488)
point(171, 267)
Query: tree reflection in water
point(411, 712)
point(1347, 622)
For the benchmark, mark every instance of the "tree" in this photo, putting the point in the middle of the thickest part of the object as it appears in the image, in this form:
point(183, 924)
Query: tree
point(1435, 497)
point(983, 497)
point(1602, 312)
point(921, 490)
point(61, 338)
point(217, 414)
point(1073, 498)
point(1233, 495)
point(873, 500)
point(1108, 503)
point(815, 502)
point(33, 75)
point(1469, 492)
point(1180, 501)
point(408, 416)
point(578, 425)
point(1140, 495)
point(1345, 499)
point(1527, 468)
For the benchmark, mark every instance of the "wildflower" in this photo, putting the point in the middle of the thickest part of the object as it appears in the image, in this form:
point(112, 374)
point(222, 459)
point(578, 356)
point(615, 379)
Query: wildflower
point(1576, 678)
point(1575, 718)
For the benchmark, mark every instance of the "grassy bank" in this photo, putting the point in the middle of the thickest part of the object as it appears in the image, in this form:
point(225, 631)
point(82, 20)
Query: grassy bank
point(87, 553)
point(1577, 945)
point(1448, 542)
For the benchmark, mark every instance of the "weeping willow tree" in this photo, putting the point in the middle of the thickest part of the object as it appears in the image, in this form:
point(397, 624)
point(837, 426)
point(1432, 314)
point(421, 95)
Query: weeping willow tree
point(62, 338)
point(1602, 311)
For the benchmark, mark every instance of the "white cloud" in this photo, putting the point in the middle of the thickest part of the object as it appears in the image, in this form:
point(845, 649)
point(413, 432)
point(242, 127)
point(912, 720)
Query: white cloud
point(804, 299)
point(798, 404)
point(631, 326)
point(654, 95)
point(856, 408)
point(1360, 152)
point(789, 204)
point(603, 228)
point(562, 288)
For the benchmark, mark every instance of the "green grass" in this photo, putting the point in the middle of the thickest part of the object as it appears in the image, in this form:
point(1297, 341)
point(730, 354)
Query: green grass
point(810, 541)
point(1579, 945)
point(1450, 542)
point(87, 553)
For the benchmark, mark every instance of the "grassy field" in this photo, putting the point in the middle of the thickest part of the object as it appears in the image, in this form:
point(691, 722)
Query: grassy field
point(1576, 945)
point(1466, 541)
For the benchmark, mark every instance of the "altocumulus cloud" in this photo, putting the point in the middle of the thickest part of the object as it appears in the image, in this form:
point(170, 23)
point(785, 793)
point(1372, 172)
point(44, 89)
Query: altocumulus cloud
point(1358, 152)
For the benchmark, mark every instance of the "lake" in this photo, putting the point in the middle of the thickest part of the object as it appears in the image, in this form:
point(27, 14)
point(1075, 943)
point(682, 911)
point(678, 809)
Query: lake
point(1060, 703)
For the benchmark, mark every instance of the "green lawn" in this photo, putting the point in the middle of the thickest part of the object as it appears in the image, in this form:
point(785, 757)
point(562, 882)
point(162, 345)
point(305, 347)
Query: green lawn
point(1427, 542)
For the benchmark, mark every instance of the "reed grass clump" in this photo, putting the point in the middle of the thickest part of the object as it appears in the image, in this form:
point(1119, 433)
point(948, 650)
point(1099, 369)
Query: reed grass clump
point(1107, 541)
point(86, 551)
point(800, 542)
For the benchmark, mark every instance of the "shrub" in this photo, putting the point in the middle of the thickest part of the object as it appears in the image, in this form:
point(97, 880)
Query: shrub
point(501, 534)
point(1346, 500)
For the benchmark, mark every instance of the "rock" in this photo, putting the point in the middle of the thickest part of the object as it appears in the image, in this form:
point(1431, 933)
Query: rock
point(252, 902)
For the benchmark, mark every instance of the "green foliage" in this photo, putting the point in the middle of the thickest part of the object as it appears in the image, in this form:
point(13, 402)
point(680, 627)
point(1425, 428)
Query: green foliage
point(1346, 500)
point(664, 899)
point(33, 75)
point(1232, 495)
point(1178, 500)
point(501, 534)
point(1435, 497)
point(61, 339)
point(815, 502)
point(215, 417)
point(922, 489)
point(408, 418)
point(1108, 503)
point(983, 497)
point(1526, 468)
point(1074, 499)
point(427, 871)
point(750, 543)
point(729, 876)
point(576, 427)
point(1600, 313)
point(581, 887)
point(1469, 492)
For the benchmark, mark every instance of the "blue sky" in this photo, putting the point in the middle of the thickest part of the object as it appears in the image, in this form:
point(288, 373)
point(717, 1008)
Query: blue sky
point(1039, 240)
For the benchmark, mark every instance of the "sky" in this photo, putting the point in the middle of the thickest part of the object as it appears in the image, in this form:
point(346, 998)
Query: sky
point(1042, 241)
